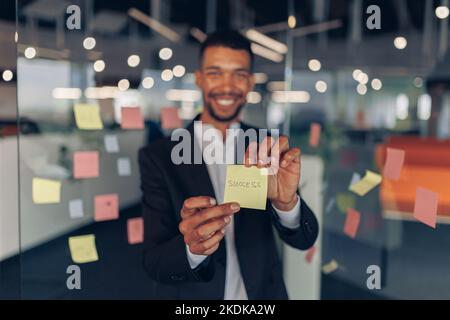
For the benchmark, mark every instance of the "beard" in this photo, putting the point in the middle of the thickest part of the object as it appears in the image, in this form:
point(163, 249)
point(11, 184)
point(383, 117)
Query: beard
point(218, 118)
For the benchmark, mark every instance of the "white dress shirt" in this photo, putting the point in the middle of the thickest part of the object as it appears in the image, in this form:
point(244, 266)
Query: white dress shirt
point(234, 284)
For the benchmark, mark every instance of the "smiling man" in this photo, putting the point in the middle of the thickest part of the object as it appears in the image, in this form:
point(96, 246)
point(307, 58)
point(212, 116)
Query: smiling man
point(196, 246)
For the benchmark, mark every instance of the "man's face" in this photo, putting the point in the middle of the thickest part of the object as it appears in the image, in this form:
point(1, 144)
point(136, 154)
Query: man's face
point(225, 79)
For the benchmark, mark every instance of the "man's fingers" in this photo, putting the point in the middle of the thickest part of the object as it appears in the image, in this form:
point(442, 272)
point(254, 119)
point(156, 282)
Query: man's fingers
point(189, 224)
point(250, 157)
point(205, 246)
point(194, 204)
point(212, 250)
point(284, 144)
point(222, 210)
point(264, 150)
point(293, 155)
point(207, 230)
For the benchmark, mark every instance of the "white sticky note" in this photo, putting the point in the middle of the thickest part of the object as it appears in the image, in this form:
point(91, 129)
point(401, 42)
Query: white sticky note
point(355, 178)
point(111, 143)
point(76, 208)
point(124, 167)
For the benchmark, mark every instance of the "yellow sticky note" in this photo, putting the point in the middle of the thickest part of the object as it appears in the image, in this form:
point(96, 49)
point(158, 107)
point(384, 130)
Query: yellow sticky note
point(82, 248)
point(88, 117)
point(345, 201)
point(247, 186)
point(330, 267)
point(363, 186)
point(46, 191)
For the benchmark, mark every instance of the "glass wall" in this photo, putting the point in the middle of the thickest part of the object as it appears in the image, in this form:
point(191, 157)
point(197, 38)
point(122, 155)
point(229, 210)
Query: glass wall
point(97, 80)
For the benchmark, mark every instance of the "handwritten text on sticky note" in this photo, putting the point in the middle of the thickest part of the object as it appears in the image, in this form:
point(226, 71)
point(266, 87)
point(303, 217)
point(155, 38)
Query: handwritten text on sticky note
point(246, 186)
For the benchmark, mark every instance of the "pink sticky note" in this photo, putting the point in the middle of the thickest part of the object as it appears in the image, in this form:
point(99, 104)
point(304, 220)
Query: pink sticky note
point(425, 206)
point(132, 118)
point(135, 227)
point(170, 118)
point(310, 254)
point(314, 134)
point(106, 207)
point(85, 164)
point(394, 163)
point(352, 222)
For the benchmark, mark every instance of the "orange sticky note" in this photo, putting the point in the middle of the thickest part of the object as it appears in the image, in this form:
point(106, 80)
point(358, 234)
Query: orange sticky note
point(314, 134)
point(310, 254)
point(135, 227)
point(106, 207)
point(85, 164)
point(132, 118)
point(352, 222)
point(170, 118)
point(394, 163)
point(425, 206)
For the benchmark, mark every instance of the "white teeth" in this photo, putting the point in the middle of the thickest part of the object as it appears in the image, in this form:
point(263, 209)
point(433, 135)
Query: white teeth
point(225, 102)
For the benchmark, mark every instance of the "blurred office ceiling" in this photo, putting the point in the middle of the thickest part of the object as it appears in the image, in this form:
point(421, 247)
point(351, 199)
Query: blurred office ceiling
point(333, 31)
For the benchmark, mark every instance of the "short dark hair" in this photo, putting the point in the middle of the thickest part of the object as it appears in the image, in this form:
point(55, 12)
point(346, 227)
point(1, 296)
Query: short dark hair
point(228, 39)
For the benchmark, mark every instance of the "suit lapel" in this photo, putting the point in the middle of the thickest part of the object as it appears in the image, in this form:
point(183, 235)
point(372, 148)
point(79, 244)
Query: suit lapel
point(196, 176)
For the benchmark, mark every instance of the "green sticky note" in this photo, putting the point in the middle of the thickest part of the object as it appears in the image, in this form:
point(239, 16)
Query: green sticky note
point(345, 201)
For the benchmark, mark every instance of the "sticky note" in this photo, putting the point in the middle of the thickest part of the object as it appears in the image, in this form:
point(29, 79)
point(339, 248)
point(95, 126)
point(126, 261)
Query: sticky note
point(394, 163)
point(111, 143)
point(170, 118)
point(355, 178)
point(330, 267)
point(314, 134)
point(46, 191)
point(348, 158)
point(106, 207)
point(352, 222)
point(310, 254)
point(132, 118)
point(247, 186)
point(425, 206)
point(330, 205)
point(87, 117)
point(76, 208)
point(83, 249)
point(345, 201)
point(370, 181)
point(85, 164)
point(124, 167)
point(135, 228)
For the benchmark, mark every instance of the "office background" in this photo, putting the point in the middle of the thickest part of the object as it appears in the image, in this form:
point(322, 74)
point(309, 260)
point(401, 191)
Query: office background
point(368, 89)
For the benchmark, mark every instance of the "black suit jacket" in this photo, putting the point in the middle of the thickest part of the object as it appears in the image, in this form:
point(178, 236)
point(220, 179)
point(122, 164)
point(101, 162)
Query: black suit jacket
point(165, 186)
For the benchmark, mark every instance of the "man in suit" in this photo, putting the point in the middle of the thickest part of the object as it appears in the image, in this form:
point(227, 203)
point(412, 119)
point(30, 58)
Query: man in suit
point(196, 246)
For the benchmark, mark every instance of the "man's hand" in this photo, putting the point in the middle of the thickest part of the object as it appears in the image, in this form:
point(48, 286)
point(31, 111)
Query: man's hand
point(283, 164)
point(203, 223)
